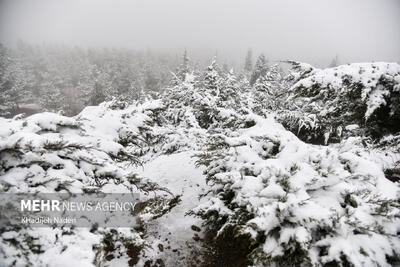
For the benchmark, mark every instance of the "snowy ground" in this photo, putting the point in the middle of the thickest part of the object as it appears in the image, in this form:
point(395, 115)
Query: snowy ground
point(178, 173)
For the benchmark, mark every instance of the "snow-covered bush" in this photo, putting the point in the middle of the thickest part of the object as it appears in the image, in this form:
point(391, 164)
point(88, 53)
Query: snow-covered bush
point(50, 153)
point(145, 130)
point(348, 100)
point(295, 204)
point(386, 152)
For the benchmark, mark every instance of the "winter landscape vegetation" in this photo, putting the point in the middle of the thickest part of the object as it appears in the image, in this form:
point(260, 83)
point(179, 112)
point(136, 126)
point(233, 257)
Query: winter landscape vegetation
point(260, 163)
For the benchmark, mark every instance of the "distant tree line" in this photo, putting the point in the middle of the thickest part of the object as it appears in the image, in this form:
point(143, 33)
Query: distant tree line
point(65, 79)
point(57, 77)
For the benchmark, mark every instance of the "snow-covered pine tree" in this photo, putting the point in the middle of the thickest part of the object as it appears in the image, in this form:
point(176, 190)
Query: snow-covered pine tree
point(212, 79)
point(207, 92)
point(180, 98)
point(151, 81)
point(52, 99)
point(245, 91)
point(268, 91)
point(5, 62)
point(15, 81)
point(207, 102)
point(102, 88)
point(182, 70)
point(260, 69)
point(229, 93)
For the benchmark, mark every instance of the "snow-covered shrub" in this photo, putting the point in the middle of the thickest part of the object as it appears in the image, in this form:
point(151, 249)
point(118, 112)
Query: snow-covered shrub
point(50, 153)
point(386, 152)
point(389, 146)
point(328, 104)
point(145, 129)
point(296, 204)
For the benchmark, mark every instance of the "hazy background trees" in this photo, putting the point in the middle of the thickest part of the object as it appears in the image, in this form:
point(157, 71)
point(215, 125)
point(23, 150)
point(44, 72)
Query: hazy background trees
point(57, 77)
point(60, 78)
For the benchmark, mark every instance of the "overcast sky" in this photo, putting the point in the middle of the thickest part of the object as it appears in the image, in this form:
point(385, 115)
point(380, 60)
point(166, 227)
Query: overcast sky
point(309, 30)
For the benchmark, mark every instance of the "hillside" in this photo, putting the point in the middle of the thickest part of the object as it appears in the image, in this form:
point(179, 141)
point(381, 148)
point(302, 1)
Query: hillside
point(300, 170)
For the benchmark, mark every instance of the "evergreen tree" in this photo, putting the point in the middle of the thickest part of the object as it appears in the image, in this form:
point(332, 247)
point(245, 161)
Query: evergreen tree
point(267, 90)
point(183, 69)
point(211, 80)
point(225, 68)
point(248, 64)
point(151, 81)
point(52, 98)
point(14, 83)
point(260, 69)
point(4, 83)
point(102, 89)
point(229, 93)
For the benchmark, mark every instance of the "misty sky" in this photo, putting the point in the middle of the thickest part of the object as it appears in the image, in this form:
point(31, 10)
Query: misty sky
point(313, 31)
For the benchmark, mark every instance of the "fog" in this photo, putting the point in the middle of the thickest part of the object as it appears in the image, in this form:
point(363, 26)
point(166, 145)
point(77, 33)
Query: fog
point(313, 31)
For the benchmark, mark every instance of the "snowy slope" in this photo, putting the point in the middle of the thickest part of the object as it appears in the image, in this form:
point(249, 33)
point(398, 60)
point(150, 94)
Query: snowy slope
point(177, 173)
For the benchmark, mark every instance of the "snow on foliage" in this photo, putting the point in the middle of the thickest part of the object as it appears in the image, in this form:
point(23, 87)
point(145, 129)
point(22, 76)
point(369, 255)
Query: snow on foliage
point(50, 153)
point(268, 90)
point(326, 101)
point(299, 204)
point(204, 102)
